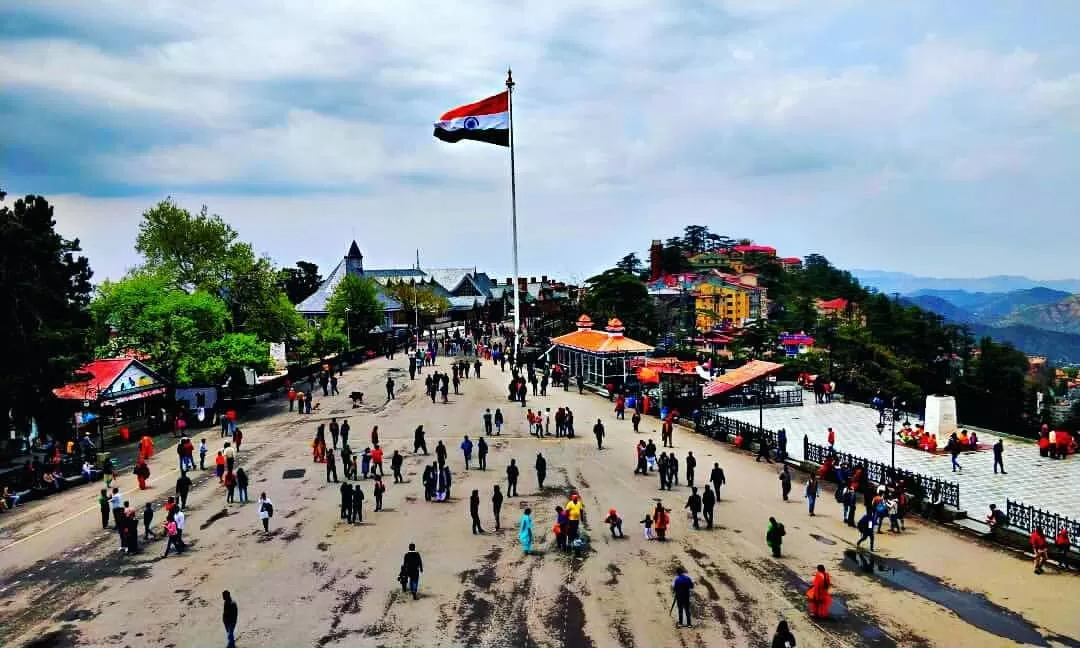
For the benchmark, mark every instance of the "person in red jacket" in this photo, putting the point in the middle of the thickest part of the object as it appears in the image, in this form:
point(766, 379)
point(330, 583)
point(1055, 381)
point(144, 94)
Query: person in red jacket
point(832, 438)
point(1039, 547)
point(377, 461)
point(1061, 543)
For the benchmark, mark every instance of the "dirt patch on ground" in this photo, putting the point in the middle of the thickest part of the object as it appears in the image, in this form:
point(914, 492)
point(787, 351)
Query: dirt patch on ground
point(613, 574)
point(322, 546)
point(223, 513)
point(620, 627)
point(475, 613)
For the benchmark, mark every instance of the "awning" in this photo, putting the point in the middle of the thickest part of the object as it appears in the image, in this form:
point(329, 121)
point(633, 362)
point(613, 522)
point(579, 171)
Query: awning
point(748, 373)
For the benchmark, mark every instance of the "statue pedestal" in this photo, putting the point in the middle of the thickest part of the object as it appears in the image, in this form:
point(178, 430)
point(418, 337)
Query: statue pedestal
point(941, 417)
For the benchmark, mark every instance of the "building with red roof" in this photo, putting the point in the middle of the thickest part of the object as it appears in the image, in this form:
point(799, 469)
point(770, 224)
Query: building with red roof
point(113, 392)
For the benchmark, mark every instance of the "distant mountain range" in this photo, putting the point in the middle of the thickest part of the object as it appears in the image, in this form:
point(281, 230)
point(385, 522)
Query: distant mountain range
point(1038, 320)
point(906, 284)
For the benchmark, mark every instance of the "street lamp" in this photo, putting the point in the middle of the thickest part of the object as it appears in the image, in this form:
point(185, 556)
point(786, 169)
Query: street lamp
point(90, 396)
point(892, 463)
point(348, 328)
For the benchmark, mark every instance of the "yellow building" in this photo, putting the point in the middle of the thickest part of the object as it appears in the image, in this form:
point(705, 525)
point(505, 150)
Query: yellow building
point(718, 302)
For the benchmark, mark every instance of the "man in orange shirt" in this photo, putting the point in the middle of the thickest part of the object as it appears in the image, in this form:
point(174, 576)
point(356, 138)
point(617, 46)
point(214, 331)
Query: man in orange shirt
point(1038, 546)
point(376, 461)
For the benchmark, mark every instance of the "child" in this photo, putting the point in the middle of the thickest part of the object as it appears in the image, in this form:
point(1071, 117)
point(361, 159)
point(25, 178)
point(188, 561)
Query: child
point(219, 467)
point(614, 523)
point(648, 526)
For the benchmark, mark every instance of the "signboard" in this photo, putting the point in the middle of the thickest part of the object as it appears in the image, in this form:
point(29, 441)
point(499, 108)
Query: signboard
point(277, 354)
point(157, 391)
point(134, 378)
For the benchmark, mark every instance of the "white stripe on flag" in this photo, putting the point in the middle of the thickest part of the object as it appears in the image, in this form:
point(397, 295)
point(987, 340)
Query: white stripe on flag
point(497, 121)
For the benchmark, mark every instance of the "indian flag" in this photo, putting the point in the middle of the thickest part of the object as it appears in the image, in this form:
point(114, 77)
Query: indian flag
point(487, 120)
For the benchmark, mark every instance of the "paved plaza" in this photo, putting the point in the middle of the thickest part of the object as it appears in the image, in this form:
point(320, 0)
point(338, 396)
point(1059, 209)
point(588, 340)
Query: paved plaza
point(1031, 479)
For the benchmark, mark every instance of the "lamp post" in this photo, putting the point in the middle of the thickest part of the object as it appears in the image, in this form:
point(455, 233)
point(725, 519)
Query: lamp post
point(348, 328)
point(895, 411)
point(90, 396)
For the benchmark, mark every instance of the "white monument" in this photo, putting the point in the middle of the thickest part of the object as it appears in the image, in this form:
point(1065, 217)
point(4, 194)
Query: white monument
point(941, 417)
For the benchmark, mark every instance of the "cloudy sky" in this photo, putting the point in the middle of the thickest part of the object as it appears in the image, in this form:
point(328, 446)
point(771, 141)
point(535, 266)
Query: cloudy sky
point(928, 137)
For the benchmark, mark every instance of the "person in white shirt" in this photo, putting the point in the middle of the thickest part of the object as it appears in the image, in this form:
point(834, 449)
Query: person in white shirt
point(179, 517)
point(266, 511)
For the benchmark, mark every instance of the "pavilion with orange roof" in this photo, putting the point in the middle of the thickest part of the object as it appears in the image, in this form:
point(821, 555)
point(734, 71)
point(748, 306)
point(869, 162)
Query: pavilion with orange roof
point(599, 356)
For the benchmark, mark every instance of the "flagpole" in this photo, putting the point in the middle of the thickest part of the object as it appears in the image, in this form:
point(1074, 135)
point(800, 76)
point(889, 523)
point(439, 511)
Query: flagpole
point(513, 213)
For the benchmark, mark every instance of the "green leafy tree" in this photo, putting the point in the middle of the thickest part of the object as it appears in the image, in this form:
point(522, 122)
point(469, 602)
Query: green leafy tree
point(415, 297)
point(44, 288)
point(183, 334)
point(355, 305)
point(615, 293)
point(255, 299)
point(631, 264)
point(193, 249)
point(327, 338)
point(300, 282)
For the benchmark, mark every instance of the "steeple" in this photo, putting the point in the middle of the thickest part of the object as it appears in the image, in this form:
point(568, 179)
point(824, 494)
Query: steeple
point(354, 260)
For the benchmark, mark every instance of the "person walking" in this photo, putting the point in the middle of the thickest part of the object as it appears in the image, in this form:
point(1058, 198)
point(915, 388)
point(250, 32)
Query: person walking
point(999, 462)
point(183, 487)
point(389, 389)
point(335, 432)
point(541, 471)
point(708, 501)
point(230, 487)
point(377, 489)
point(356, 515)
point(953, 446)
point(412, 565)
point(396, 462)
point(229, 615)
point(498, 420)
point(598, 432)
point(241, 486)
point(818, 595)
point(691, 464)
point(474, 512)
point(811, 493)
point(496, 505)
point(785, 482)
point(866, 529)
point(266, 511)
point(419, 444)
point(147, 520)
point(344, 432)
point(346, 500)
point(681, 588)
point(774, 536)
point(693, 503)
point(783, 638)
point(202, 454)
point(481, 453)
point(488, 422)
point(525, 531)
point(103, 506)
point(717, 478)
point(466, 450)
point(512, 473)
point(331, 468)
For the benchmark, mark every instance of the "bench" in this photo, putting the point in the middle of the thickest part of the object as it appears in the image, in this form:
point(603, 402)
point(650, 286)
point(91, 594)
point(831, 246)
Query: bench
point(73, 480)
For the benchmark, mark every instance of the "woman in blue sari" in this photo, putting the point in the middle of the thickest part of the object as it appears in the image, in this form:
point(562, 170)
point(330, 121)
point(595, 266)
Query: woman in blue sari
point(525, 531)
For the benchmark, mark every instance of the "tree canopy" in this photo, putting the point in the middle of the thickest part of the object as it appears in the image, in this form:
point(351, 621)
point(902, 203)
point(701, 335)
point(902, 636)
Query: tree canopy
point(45, 288)
point(300, 282)
point(415, 297)
point(182, 334)
point(193, 250)
point(617, 293)
point(355, 306)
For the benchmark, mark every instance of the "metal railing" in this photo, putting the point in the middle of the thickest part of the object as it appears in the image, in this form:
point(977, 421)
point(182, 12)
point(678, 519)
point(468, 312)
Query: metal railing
point(1028, 517)
point(777, 398)
point(922, 486)
point(722, 428)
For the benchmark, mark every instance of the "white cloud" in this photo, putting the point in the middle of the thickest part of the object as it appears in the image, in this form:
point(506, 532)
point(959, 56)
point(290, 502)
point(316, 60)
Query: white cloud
point(634, 114)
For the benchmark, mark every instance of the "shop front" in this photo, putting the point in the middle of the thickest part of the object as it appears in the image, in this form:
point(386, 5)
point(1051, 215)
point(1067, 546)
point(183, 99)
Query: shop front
point(115, 397)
